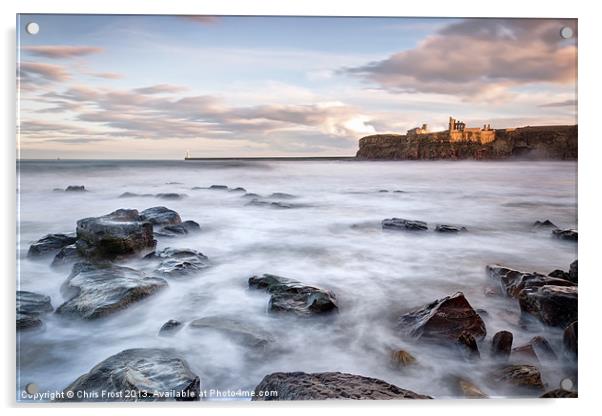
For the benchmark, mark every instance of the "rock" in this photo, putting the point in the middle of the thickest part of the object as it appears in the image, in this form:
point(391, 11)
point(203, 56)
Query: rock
point(50, 244)
point(518, 376)
point(30, 306)
point(444, 228)
point(525, 353)
point(291, 296)
point(501, 345)
point(239, 189)
point(118, 234)
point(542, 348)
point(218, 187)
point(568, 235)
point(559, 394)
point(273, 204)
point(160, 216)
point(151, 374)
point(67, 256)
point(171, 196)
point(97, 290)
point(282, 195)
point(569, 338)
point(405, 225)
point(75, 188)
point(179, 229)
point(545, 224)
point(444, 319)
point(323, 386)
point(180, 262)
point(468, 346)
point(170, 327)
point(573, 272)
point(553, 305)
point(251, 195)
point(243, 332)
point(133, 195)
point(561, 274)
point(514, 281)
point(402, 358)
point(462, 387)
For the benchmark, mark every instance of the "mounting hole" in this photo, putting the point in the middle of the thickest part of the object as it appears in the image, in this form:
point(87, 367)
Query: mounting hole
point(566, 384)
point(31, 388)
point(566, 32)
point(32, 28)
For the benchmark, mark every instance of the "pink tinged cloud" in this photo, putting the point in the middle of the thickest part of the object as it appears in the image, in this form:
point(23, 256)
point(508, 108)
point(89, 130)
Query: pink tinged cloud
point(62, 51)
point(479, 57)
point(37, 72)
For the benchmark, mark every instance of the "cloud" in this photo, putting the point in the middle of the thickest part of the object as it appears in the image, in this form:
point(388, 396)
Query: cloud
point(61, 51)
point(565, 103)
point(160, 89)
point(106, 75)
point(479, 58)
point(41, 73)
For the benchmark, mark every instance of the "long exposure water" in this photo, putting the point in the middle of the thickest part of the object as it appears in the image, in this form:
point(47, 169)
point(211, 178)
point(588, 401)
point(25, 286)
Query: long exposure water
point(331, 238)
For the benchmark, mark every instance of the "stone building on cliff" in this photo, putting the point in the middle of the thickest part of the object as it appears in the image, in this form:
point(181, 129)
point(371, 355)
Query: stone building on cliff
point(458, 132)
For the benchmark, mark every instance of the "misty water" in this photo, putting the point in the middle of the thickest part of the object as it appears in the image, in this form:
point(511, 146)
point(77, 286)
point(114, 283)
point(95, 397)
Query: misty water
point(332, 239)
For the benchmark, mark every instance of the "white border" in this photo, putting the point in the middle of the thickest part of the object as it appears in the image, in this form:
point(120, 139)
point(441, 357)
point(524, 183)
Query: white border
point(590, 151)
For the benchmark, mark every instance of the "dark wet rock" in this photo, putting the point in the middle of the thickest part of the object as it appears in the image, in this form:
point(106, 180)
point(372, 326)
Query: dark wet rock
point(160, 216)
point(251, 195)
point(67, 256)
point(573, 272)
point(402, 358)
point(569, 338)
point(463, 387)
point(30, 307)
point(171, 196)
point(561, 274)
point(501, 345)
point(294, 297)
point(218, 187)
point(75, 188)
point(517, 376)
point(514, 281)
point(271, 204)
point(186, 227)
point(50, 244)
point(568, 235)
point(282, 195)
point(243, 332)
point(542, 348)
point(444, 228)
point(170, 327)
point(133, 195)
point(559, 394)
point(524, 354)
point(444, 319)
point(323, 386)
point(144, 371)
point(120, 233)
point(238, 189)
point(404, 225)
point(552, 305)
point(382, 191)
point(468, 346)
point(545, 224)
point(175, 262)
point(97, 290)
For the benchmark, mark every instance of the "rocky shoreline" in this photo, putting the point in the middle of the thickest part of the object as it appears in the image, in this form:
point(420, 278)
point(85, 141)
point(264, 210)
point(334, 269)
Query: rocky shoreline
point(99, 285)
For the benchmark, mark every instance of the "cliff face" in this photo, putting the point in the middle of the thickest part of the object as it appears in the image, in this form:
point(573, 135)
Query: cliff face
point(539, 142)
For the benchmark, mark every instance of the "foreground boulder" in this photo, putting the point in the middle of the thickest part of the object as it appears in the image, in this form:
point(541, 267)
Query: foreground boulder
point(147, 374)
point(573, 272)
point(553, 305)
point(525, 377)
point(569, 338)
point(291, 296)
point(97, 290)
point(324, 386)
point(160, 216)
point(120, 233)
point(513, 281)
point(567, 235)
point(30, 307)
point(243, 332)
point(501, 345)
point(50, 244)
point(444, 319)
point(401, 224)
point(559, 394)
point(537, 349)
point(67, 256)
point(463, 387)
point(176, 262)
point(175, 230)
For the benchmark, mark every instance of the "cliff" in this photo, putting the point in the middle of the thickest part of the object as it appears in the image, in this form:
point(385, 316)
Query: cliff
point(537, 142)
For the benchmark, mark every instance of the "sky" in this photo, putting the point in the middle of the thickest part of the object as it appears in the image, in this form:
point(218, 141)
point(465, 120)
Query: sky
point(155, 87)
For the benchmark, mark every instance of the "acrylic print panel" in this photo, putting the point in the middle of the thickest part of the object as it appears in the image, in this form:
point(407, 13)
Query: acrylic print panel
point(290, 208)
